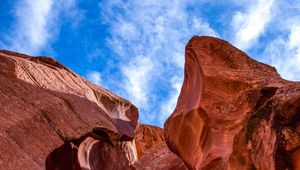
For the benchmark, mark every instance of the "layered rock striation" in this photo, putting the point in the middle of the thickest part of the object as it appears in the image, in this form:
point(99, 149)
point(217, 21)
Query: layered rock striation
point(233, 112)
point(51, 118)
point(45, 106)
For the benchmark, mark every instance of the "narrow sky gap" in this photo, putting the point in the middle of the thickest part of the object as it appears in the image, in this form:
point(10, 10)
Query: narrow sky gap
point(136, 49)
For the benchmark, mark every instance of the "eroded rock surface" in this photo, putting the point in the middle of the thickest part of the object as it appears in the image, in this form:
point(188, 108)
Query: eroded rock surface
point(233, 112)
point(49, 74)
point(159, 157)
point(146, 137)
point(92, 151)
point(48, 111)
point(51, 118)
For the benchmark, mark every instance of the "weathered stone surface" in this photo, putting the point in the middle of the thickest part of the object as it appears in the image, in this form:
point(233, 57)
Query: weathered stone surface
point(47, 73)
point(146, 137)
point(233, 112)
point(47, 111)
point(159, 157)
point(92, 151)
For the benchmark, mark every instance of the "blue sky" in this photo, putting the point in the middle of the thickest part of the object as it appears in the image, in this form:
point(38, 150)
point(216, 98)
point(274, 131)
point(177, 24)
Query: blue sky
point(136, 48)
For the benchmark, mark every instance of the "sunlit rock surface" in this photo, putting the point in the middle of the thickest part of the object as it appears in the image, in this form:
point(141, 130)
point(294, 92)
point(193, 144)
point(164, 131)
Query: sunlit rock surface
point(48, 111)
point(51, 118)
point(233, 112)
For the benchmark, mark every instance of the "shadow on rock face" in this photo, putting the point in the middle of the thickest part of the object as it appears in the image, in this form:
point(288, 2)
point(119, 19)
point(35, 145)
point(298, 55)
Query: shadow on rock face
point(94, 150)
point(64, 157)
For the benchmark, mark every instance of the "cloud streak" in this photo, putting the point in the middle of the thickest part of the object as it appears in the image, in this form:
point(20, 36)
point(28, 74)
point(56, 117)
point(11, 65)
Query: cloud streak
point(251, 24)
point(36, 24)
point(284, 54)
point(145, 40)
point(31, 30)
point(137, 76)
point(149, 39)
point(94, 76)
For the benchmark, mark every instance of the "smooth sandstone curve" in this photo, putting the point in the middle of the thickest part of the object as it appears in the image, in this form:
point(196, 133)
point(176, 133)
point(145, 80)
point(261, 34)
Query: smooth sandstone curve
point(227, 114)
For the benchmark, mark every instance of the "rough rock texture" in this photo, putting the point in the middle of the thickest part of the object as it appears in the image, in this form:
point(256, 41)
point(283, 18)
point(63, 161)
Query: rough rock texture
point(159, 157)
point(146, 137)
point(153, 153)
point(233, 112)
point(47, 73)
point(47, 109)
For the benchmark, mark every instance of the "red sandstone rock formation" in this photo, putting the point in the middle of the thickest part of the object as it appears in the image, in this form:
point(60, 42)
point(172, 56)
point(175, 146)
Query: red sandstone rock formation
point(146, 137)
point(153, 153)
point(233, 112)
point(52, 118)
point(159, 157)
point(49, 111)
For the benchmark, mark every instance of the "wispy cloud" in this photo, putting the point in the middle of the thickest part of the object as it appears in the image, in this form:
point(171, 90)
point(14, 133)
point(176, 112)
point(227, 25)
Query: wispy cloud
point(282, 47)
point(144, 53)
point(94, 76)
point(149, 39)
point(31, 30)
point(251, 24)
point(36, 24)
point(137, 76)
point(284, 53)
point(168, 106)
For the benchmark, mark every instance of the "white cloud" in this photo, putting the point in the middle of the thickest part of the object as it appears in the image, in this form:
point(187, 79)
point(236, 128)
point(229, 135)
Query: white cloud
point(168, 106)
point(31, 32)
point(251, 24)
point(94, 76)
point(284, 53)
point(137, 73)
point(149, 38)
point(294, 41)
point(281, 45)
point(36, 24)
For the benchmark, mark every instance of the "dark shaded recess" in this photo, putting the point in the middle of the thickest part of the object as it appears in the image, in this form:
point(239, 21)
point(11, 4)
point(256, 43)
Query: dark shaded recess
point(101, 155)
point(101, 134)
point(125, 127)
point(65, 156)
point(282, 157)
point(262, 110)
point(267, 93)
point(294, 120)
